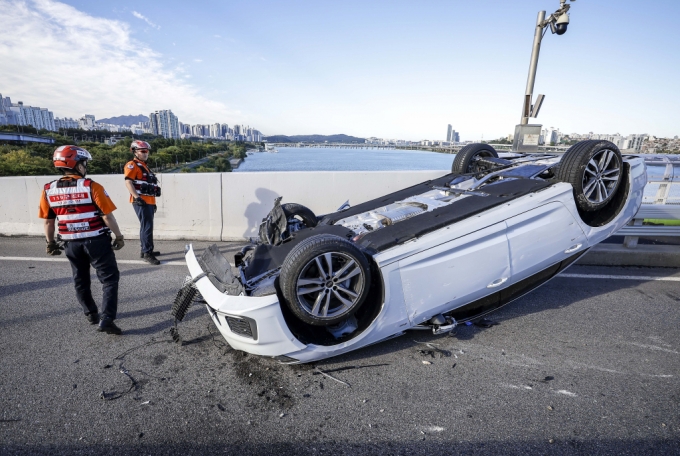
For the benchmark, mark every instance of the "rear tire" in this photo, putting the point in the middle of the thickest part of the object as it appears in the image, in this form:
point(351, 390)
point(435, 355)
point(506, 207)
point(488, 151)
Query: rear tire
point(594, 169)
point(465, 161)
point(301, 212)
point(325, 279)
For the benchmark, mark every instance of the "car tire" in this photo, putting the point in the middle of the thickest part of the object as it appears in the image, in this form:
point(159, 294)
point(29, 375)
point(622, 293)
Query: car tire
point(464, 162)
point(594, 169)
point(302, 212)
point(320, 295)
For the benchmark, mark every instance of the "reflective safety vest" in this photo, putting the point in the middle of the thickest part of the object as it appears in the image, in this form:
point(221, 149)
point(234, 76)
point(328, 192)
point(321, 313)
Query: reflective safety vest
point(149, 185)
point(78, 217)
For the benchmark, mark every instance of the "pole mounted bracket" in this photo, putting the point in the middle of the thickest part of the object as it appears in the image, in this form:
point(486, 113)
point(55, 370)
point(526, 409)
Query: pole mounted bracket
point(555, 17)
point(537, 105)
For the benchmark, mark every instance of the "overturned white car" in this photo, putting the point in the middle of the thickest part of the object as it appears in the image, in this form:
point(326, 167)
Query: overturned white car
point(432, 255)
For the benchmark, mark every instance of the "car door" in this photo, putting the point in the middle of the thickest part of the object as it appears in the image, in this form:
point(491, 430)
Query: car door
point(541, 237)
point(455, 273)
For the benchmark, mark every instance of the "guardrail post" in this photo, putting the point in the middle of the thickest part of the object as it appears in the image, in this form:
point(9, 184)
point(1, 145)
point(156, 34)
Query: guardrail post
point(632, 241)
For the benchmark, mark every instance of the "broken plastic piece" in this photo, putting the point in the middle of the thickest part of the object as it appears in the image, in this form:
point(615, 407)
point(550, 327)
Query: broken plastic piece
point(485, 323)
point(433, 348)
point(331, 377)
point(174, 332)
point(185, 296)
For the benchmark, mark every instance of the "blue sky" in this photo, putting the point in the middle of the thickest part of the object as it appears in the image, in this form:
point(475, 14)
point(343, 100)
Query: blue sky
point(393, 69)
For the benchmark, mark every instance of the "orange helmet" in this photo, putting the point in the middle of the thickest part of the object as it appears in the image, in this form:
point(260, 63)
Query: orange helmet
point(68, 156)
point(136, 145)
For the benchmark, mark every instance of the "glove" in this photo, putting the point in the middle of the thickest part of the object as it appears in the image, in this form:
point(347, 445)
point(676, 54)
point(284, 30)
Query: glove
point(53, 248)
point(118, 243)
point(139, 201)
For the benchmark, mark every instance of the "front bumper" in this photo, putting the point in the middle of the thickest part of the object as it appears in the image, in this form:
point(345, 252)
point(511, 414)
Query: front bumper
point(252, 324)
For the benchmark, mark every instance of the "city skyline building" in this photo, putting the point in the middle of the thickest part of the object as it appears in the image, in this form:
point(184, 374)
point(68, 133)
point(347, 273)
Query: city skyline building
point(87, 122)
point(452, 136)
point(20, 114)
point(164, 123)
point(65, 123)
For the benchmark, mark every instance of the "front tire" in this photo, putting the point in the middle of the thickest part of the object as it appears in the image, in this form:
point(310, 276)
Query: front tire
point(325, 279)
point(594, 170)
point(466, 159)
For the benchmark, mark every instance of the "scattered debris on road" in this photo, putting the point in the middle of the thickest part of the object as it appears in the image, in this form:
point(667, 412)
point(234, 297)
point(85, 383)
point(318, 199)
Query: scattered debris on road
point(485, 323)
point(433, 348)
point(331, 377)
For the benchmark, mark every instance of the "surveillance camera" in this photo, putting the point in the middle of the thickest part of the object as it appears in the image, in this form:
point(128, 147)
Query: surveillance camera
point(561, 24)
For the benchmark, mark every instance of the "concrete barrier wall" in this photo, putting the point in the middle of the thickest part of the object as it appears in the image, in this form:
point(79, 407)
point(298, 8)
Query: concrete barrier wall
point(211, 206)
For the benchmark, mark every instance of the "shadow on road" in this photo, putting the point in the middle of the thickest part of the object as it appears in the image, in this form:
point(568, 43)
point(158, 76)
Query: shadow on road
point(557, 294)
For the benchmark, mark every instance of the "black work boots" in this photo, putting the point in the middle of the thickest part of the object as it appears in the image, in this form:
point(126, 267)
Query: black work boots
point(150, 258)
point(93, 317)
point(109, 327)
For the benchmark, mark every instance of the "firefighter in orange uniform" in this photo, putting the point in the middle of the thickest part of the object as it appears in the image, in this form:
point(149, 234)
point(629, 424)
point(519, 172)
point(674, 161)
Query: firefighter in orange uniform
point(82, 213)
point(143, 187)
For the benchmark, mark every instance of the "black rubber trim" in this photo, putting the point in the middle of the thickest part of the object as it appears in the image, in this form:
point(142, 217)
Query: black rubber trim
point(500, 298)
point(243, 326)
point(498, 193)
point(267, 257)
point(417, 189)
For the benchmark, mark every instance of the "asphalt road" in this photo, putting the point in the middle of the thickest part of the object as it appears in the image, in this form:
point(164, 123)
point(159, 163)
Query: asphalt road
point(583, 365)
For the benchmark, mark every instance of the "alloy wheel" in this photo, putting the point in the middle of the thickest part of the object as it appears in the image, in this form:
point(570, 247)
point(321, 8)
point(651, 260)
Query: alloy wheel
point(330, 285)
point(601, 176)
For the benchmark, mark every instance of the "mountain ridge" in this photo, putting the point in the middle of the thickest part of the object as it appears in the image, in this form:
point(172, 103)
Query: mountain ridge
point(124, 120)
point(339, 138)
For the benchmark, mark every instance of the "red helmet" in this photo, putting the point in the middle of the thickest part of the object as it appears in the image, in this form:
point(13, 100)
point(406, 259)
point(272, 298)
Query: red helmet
point(136, 144)
point(69, 156)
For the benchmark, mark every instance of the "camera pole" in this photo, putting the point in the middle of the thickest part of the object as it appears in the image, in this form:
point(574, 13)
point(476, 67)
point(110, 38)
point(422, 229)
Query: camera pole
point(526, 135)
point(533, 65)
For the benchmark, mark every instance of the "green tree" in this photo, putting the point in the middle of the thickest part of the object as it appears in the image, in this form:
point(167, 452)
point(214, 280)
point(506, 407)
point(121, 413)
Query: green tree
point(21, 163)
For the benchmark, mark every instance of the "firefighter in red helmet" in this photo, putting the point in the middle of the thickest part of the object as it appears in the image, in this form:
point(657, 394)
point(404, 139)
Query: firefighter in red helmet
point(143, 187)
point(82, 213)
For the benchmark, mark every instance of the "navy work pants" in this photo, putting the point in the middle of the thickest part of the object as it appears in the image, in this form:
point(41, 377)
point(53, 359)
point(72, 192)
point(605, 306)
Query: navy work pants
point(145, 216)
point(97, 252)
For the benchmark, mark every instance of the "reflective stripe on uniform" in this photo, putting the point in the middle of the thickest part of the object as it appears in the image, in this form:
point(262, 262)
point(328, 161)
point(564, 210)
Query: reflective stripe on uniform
point(78, 217)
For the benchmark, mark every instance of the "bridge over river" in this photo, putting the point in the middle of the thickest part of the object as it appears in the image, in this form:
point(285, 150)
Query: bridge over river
point(432, 148)
point(587, 364)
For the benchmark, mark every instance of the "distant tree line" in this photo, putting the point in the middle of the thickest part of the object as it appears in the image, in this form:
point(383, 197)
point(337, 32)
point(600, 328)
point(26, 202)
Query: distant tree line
point(35, 159)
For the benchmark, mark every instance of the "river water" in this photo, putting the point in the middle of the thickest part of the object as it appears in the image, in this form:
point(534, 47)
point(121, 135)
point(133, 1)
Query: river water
point(313, 159)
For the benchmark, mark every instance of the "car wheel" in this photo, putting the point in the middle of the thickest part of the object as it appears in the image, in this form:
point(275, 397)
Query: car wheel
point(466, 159)
point(301, 213)
point(594, 170)
point(325, 279)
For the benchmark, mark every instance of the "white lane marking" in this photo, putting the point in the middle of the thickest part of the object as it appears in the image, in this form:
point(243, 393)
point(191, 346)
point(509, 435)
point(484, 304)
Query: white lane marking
point(577, 365)
point(567, 393)
point(654, 347)
point(63, 260)
point(508, 385)
point(434, 429)
point(619, 277)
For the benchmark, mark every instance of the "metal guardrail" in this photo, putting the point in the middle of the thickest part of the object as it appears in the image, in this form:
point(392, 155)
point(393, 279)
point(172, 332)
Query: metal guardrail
point(660, 200)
